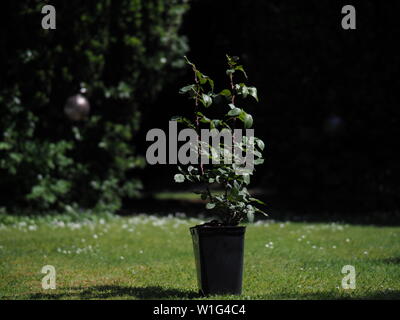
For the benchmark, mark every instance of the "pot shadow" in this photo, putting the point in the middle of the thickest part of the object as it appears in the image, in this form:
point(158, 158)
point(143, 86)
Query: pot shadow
point(115, 291)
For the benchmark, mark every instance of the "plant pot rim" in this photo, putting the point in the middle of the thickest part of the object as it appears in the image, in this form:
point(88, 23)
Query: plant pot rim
point(204, 228)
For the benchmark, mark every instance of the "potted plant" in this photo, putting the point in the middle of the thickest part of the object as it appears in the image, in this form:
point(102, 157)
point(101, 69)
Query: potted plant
point(219, 244)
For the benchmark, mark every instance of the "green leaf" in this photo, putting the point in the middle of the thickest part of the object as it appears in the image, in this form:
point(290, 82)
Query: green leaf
point(248, 121)
point(232, 61)
point(186, 89)
point(258, 201)
point(240, 68)
point(230, 71)
point(234, 112)
point(210, 206)
point(244, 91)
point(260, 144)
point(5, 146)
point(253, 92)
point(183, 120)
point(214, 123)
point(226, 93)
point(264, 213)
point(211, 82)
point(207, 101)
point(179, 178)
point(202, 78)
point(203, 118)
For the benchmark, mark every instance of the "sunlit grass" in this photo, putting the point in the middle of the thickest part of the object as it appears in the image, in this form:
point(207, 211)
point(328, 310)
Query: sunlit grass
point(145, 257)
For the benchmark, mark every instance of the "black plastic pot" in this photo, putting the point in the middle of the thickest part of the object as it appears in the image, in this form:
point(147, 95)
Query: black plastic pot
point(218, 252)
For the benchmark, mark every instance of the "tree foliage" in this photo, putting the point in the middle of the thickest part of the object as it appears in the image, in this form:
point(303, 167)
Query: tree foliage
point(118, 53)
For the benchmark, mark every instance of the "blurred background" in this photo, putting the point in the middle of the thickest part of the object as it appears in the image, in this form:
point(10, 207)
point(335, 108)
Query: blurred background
point(328, 112)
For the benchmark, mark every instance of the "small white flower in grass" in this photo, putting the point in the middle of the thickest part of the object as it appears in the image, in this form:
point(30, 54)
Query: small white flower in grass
point(347, 240)
point(121, 257)
point(83, 240)
point(141, 251)
point(301, 269)
point(314, 247)
point(365, 252)
point(282, 225)
point(95, 236)
point(333, 247)
point(269, 245)
point(32, 228)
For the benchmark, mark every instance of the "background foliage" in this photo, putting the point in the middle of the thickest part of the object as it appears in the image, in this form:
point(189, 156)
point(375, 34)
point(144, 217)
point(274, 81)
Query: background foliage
point(328, 111)
point(120, 52)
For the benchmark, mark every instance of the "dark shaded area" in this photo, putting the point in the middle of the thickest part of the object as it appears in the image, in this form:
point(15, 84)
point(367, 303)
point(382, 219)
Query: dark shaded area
point(374, 295)
point(115, 291)
point(329, 99)
point(328, 114)
point(159, 293)
point(195, 208)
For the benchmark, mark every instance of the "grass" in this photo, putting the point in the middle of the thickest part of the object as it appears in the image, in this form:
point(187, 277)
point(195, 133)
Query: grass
point(149, 257)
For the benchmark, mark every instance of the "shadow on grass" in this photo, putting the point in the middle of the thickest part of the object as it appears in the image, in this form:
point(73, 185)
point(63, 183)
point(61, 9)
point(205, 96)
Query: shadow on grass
point(373, 295)
point(159, 293)
point(115, 291)
point(392, 260)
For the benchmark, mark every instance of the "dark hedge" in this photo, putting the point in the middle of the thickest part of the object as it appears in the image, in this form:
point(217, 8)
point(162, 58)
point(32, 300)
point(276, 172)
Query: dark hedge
point(120, 53)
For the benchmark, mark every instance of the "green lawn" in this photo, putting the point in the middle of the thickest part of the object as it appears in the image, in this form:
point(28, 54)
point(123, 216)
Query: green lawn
point(148, 257)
